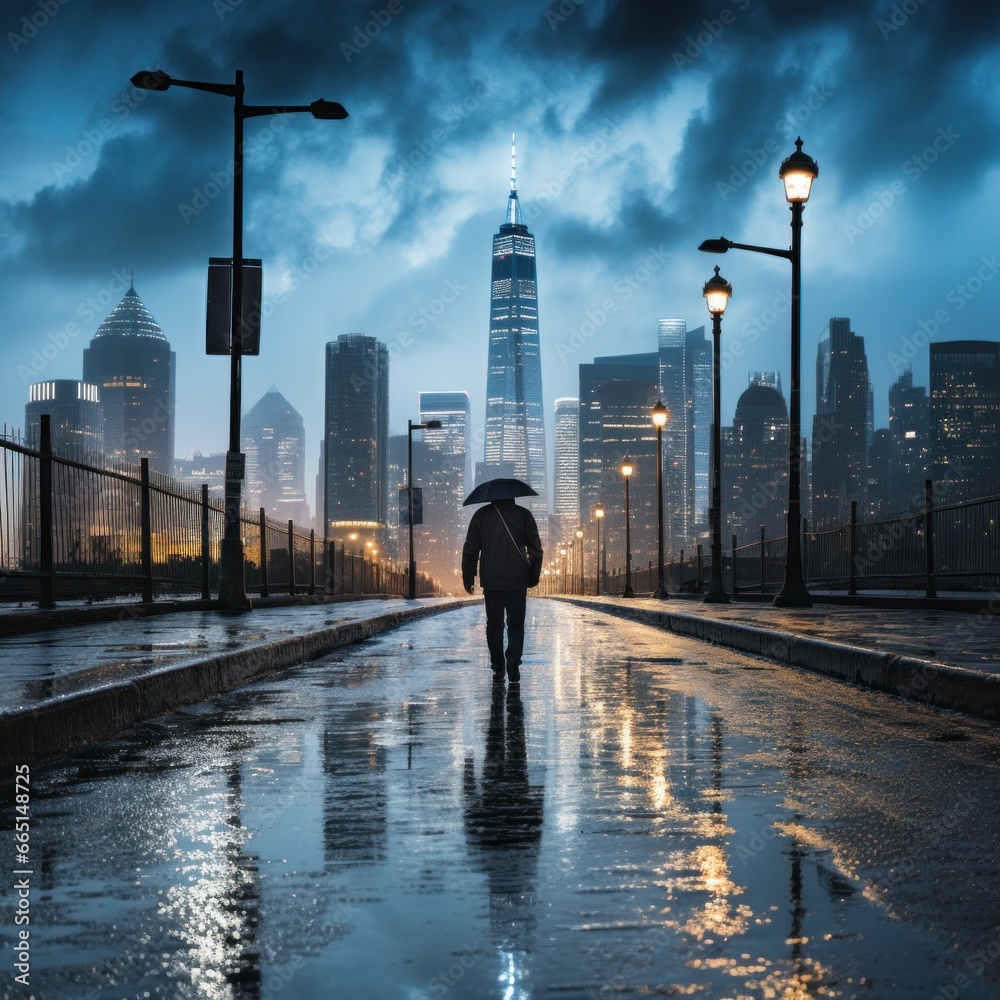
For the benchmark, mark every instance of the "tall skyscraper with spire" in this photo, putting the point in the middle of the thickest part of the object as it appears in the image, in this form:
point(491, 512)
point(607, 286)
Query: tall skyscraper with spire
point(515, 421)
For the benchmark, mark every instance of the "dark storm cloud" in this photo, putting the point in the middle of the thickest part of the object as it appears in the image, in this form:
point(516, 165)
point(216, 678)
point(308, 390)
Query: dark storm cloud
point(880, 96)
point(408, 75)
point(869, 89)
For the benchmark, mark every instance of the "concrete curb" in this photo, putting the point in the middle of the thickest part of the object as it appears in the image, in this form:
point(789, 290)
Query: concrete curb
point(58, 725)
point(36, 620)
point(938, 684)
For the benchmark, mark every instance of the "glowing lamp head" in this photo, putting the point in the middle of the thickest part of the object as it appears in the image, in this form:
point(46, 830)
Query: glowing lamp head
point(599, 513)
point(717, 292)
point(798, 171)
point(661, 414)
point(627, 468)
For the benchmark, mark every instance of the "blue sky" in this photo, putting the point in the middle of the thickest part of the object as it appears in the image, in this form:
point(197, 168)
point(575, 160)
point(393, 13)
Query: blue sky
point(642, 130)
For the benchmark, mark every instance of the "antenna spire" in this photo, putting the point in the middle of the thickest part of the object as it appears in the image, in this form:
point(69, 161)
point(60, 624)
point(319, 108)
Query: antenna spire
point(513, 205)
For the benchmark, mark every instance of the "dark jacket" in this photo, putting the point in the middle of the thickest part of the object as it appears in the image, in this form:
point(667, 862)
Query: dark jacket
point(503, 564)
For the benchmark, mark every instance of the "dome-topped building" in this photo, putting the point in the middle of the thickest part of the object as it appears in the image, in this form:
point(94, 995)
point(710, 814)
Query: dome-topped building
point(130, 361)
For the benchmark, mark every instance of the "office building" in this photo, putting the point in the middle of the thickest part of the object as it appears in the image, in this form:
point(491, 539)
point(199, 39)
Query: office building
point(965, 419)
point(356, 437)
point(685, 380)
point(445, 485)
point(130, 362)
point(617, 395)
point(515, 421)
point(759, 464)
point(566, 506)
point(843, 426)
point(274, 443)
point(909, 433)
point(74, 412)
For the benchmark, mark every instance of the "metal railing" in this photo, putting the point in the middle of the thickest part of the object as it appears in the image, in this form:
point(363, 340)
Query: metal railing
point(952, 547)
point(73, 529)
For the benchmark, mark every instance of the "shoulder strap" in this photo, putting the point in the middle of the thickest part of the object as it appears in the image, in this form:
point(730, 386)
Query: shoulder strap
point(503, 521)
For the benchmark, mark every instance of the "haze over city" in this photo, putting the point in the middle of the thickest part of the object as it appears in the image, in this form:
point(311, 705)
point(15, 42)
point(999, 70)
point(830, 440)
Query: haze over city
point(641, 131)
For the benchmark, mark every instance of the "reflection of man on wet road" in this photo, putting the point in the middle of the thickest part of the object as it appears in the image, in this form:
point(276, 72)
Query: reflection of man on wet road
point(503, 540)
point(503, 822)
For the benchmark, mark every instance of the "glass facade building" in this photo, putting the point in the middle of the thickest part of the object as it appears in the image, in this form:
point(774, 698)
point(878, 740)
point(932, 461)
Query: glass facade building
point(274, 442)
point(515, 421)
point(130, 362)
point(843, 427)
point(356, 436)
point(445, 486)
point(965, 419)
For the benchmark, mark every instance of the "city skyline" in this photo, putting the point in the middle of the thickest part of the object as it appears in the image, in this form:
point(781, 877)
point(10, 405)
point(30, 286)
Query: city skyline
point(641, 132)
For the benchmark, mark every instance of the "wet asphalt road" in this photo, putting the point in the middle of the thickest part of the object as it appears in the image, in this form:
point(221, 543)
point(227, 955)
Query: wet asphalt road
point(651, 817)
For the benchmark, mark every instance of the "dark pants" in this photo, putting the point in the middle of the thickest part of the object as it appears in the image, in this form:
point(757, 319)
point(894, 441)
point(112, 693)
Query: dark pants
point(511, 602)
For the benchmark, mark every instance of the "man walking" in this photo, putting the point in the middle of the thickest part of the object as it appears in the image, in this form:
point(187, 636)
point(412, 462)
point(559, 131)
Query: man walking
point(503, 540)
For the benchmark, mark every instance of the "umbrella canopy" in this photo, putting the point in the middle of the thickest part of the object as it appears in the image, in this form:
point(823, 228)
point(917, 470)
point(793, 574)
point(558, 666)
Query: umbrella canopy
point(499, 489)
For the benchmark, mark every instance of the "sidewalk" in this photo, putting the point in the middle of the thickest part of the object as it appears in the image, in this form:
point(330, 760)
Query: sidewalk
point(66, 686)
point(72, 685)
point(945, 658)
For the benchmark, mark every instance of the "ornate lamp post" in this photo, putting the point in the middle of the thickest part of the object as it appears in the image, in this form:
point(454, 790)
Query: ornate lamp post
point(599, 515)
point(797, 172)
point(232, 584)
point(626, 470)
point(717, 292)
point(660, 416)
point(579, 539)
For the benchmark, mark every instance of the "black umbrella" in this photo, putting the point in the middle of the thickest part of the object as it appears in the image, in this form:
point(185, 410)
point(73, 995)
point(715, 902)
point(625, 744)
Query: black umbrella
point(499, 489)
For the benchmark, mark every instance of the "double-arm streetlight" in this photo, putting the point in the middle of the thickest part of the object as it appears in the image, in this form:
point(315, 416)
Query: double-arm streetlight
point(626, 470)
point(797, 171)
point(717, 292)
point(411, 588)
point(660, 415)
point(232, 585)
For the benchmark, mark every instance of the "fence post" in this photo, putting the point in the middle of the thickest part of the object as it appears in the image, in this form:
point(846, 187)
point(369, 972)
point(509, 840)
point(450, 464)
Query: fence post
point(852, 542)
point(805, 547)
point(312, 561)
point(291, 557)
point(47, 584)
point(264, 592)
point(736, 586)
point(146, 528)
point(762, 575)
point(929, 536)
point(206, 547)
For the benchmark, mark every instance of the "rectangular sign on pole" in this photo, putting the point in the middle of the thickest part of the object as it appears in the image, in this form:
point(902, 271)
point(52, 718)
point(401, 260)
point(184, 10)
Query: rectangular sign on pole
point(418, 506)
point(219, 316)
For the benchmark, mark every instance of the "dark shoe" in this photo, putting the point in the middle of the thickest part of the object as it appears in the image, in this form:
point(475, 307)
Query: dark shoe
point(498, 674)
point(514, 674)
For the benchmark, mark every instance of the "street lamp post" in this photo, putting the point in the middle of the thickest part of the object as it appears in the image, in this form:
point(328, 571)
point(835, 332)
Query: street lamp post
point(599, 515)
point(232, 585)
point(660, 417)
point(411, 589)
point(626, 470)
point(797, 171)
point(717, 292)
point(579, 539)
